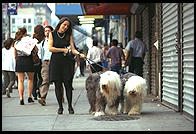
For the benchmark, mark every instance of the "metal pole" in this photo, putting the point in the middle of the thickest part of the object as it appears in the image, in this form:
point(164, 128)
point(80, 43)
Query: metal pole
point(8, 34)
point(179, 44)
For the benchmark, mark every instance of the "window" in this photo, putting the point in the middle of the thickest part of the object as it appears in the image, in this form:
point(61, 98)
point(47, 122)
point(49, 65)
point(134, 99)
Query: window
point(13, 21)
point(29, 20)
point(29, 29)
point(24, 20)
point(14, 29)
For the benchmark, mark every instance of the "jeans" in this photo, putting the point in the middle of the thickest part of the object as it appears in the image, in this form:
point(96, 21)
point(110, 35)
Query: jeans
point(116, 68)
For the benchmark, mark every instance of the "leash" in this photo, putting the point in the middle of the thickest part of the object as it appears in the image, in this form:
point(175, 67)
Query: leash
point(88, 60)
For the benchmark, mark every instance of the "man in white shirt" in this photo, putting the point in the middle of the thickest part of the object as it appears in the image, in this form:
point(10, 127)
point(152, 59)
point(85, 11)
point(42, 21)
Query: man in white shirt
point(45, 57)
point(94, 54)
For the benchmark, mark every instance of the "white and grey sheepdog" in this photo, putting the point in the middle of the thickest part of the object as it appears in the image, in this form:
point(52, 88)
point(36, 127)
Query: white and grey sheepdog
point(135, 91)
point(109, 90)
point(104, 90)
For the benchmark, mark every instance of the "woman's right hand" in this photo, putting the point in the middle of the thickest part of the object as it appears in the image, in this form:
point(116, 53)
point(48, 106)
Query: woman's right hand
point(66, 50)
point(82, 55)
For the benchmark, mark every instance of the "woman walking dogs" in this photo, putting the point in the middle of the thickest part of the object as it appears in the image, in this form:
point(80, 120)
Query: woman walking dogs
point(60, 68)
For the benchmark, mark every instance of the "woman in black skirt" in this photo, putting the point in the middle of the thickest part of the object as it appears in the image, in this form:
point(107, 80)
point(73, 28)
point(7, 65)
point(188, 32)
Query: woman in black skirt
point(24, 64)
point(60, 68)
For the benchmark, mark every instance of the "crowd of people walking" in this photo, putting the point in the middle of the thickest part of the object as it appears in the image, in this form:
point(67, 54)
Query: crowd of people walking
point(58, 54)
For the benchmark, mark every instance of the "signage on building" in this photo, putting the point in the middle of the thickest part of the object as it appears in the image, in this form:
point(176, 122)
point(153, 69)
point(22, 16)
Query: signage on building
point(115, 17)
point(12, 8)
point(68, 9)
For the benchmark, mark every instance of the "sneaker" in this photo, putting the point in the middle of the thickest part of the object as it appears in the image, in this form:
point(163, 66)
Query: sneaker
point(8, 93)
point(41, 101)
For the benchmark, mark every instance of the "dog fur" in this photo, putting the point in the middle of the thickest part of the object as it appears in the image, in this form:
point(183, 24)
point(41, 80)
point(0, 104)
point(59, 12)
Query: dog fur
point(109, 89)
point(135, 89)
point(104, 90)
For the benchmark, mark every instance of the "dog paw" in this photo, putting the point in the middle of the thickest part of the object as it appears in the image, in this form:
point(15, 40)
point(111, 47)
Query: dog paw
point(134, 113)
point(92, 112)
point(99, 114)
point(124, 112)
point(113, 113)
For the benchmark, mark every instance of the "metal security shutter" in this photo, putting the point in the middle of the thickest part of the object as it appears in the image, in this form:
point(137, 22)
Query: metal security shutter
point(169, 56)
point(188, 57)
point(145, 31)
point(154, 57)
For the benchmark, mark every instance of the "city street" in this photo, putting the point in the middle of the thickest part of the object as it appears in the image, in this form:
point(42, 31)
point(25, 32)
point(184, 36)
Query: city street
point(34, 117)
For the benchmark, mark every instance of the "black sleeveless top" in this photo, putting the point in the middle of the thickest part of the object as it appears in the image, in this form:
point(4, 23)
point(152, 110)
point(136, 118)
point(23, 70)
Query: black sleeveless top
point(61, 66)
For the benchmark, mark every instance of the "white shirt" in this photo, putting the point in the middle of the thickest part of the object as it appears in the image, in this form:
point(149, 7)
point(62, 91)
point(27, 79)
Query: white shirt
point(94, 54)
point(39, 46)
point(46, 53)
point(8, 59)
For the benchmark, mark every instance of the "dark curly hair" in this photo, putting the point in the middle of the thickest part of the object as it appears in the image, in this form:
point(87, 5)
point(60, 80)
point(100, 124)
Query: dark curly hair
point(8, 43)
point(39, 33)
point(19, 34)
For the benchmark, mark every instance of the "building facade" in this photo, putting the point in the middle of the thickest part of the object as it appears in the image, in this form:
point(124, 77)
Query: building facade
point(28, 15)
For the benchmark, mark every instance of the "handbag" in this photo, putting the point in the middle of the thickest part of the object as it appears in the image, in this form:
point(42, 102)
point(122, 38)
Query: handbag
point(26, 45)
point(35, 57)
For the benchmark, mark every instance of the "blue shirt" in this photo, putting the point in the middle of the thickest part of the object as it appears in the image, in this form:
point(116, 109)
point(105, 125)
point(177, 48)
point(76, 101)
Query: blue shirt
point(139, 48)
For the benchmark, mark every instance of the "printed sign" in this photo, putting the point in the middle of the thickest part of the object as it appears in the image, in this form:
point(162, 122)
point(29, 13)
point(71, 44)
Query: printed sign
point(12, 9)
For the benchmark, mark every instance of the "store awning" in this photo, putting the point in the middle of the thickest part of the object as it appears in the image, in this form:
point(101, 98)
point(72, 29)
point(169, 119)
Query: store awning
point(107, 8)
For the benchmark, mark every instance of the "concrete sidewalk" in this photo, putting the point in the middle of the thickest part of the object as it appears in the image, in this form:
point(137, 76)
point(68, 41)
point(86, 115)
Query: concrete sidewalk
point(34, 117)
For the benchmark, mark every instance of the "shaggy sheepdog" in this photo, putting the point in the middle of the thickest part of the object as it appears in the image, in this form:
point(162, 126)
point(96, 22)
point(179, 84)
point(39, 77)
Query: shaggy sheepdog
point(109, 89)
point(135, 90)
point(104, 90)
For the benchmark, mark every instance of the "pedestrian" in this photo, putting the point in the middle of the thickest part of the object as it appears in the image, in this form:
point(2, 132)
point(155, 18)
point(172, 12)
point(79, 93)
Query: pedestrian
point(116, 54)
point(104, 59)
point(24, 64)
point(135, 54)
point(94, 55)
point(8, 65)
point(45, 57)
point(82, 63)
point(61, 68)
point(37, 80)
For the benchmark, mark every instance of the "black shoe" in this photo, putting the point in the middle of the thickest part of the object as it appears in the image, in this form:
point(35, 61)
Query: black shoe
point(71, 111)
point(22, 102)
point(60, 111)
point(30, 100)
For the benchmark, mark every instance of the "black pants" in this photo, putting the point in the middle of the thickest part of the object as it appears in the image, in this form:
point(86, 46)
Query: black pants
point(59, 92)
point(37, 81)
point(82, 66)
point(136, 66)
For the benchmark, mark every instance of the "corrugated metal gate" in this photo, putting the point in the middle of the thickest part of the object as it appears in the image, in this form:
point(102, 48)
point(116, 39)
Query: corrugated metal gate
point(153, 60)
point(188, 57)
point(146, 32)
point(169, 55)
point(178, 56)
